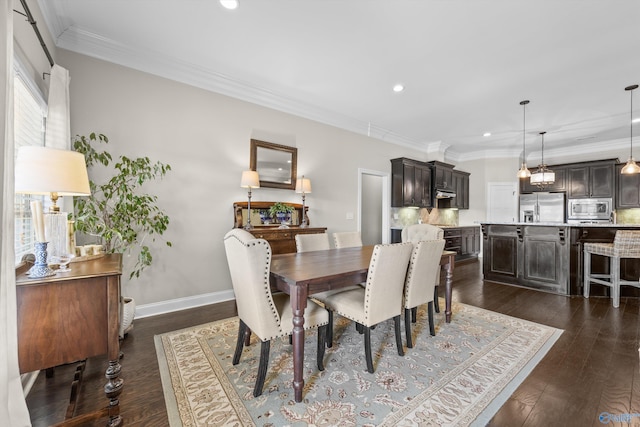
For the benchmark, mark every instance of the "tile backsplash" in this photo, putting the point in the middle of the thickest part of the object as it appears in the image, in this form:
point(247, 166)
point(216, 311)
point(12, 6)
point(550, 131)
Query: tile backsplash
point(628, 216)
point(401, 217)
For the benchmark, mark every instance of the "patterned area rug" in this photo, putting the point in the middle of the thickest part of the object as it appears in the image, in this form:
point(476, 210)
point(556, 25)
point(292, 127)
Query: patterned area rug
point(459, 377)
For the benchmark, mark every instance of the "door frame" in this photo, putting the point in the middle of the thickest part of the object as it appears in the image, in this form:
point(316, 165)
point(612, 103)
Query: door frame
point(386, 201)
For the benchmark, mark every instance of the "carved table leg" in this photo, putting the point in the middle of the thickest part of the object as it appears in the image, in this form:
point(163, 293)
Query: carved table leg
point(112, 389)
point(448, 286)
point(298, 305)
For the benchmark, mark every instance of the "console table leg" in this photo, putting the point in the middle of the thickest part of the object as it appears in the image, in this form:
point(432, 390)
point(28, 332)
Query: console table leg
point(112, 389)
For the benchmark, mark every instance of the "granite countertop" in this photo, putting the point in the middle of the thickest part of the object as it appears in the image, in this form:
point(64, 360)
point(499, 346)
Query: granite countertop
point(565, 224)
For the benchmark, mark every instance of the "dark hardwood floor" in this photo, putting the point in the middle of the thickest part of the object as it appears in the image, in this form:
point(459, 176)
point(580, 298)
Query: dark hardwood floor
point(593, 367)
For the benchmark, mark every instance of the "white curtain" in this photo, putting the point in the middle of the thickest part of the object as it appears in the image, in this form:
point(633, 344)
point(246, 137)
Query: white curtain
point(58, 133)
point(13, 408)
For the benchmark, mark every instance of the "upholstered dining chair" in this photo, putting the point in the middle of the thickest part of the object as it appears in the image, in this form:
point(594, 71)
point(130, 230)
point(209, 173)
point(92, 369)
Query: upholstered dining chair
point(380, 300)
point(347, 239)
point(417, 232)
point(267, 315)
point(626, 244)
point(312, 242)
point(421, 281)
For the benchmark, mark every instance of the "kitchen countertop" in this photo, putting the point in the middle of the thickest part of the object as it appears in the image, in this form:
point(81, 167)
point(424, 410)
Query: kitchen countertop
point(565, 224)
point(442, 226)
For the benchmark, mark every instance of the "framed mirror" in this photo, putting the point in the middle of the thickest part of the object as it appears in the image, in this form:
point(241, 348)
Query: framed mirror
point(276, 164)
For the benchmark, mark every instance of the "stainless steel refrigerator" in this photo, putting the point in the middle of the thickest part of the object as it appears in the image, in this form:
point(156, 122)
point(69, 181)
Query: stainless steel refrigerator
point(542, 207)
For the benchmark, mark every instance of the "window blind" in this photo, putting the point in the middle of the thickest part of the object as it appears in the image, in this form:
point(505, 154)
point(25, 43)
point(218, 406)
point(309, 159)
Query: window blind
point(29, 126)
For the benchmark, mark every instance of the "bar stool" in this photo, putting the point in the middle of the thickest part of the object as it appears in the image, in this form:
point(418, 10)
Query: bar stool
point(626, 244)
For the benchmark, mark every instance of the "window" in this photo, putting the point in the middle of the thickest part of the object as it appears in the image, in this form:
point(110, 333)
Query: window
point(29, 124)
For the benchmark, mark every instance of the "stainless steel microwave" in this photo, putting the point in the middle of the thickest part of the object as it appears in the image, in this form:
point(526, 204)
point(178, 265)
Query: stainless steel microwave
point(589, 209)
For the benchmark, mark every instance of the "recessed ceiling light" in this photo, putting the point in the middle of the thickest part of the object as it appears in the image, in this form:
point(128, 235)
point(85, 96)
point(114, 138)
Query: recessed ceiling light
point(229, 4)
point(635, 120)
point(486, 134)
point(399, 87)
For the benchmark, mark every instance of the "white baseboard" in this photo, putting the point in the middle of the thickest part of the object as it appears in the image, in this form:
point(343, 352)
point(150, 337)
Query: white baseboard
point(162, 307)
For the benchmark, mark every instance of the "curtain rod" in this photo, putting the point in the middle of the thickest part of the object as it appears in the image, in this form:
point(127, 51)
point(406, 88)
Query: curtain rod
point(29, 16)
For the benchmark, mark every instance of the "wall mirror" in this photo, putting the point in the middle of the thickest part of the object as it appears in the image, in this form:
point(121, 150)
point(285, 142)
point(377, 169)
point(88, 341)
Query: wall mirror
point(276, 164)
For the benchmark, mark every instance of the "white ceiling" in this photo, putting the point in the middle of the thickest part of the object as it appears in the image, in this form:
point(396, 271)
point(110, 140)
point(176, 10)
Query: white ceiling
point(466, 64)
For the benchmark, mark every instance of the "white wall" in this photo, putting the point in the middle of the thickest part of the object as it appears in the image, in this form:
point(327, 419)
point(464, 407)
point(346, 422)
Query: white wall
point(205, 138)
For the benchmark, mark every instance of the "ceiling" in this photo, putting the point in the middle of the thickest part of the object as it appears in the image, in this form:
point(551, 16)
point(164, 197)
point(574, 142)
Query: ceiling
point(465, 64)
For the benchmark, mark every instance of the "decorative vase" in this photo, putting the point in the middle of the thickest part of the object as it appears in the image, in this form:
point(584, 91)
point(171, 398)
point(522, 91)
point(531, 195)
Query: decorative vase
point(128, 312)
point(283, 218)
point(40, 267)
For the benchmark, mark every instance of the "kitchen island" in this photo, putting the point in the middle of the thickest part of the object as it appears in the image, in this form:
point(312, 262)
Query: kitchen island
point(549, 256)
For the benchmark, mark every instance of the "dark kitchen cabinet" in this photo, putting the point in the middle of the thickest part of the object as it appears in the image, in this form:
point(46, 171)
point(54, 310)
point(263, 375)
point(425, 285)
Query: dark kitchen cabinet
point(461, 187)
point(628, 190)
point(591, 179)
point(469, 242)
point(442, 174)
point(534, 256)
point(410, 183)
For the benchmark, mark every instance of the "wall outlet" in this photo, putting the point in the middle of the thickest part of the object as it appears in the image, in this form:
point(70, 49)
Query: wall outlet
point(396, 216)
point(349, 215)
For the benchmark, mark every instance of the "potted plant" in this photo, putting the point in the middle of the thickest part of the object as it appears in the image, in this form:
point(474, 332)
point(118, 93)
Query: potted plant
point(282, 212)
point(118, 211)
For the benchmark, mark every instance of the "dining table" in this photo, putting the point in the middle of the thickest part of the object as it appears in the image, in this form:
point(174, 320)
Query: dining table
point(303, 274)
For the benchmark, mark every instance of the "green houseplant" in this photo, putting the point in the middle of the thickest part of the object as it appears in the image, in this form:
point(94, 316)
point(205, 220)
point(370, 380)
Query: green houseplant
point(118, 211)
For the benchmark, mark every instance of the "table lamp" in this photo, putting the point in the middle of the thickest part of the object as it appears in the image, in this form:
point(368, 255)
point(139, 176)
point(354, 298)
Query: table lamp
point(53, 172)
point(250, 179)
point(303, 185)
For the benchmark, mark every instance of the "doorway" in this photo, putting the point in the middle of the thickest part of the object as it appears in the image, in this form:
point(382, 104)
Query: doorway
point(373, 206)
point(502, 201)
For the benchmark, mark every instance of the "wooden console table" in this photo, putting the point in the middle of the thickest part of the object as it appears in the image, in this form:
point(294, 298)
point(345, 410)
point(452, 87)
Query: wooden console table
point(70, 317)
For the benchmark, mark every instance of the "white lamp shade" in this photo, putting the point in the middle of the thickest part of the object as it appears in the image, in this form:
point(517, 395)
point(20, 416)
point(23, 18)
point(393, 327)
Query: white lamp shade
point(543, 177)
point(303, 185)
point(250, 179)
point(41, 170)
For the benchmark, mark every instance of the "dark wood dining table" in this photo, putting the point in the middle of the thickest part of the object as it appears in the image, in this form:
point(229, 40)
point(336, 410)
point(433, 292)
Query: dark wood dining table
point(303, 274)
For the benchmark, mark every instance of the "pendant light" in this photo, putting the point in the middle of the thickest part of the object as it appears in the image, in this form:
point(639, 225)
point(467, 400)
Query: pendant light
point(543, 176)
point(524, 171)
point(631, 167)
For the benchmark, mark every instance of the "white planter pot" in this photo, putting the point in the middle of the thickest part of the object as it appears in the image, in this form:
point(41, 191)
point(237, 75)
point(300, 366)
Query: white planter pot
point(128, 312)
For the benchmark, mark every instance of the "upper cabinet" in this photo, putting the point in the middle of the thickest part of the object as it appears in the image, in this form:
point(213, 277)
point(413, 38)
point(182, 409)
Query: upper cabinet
point(413, 184)
point(442, 174)
point(461, 187)
point(628, 190)
point(410, 183)
point(591, 179)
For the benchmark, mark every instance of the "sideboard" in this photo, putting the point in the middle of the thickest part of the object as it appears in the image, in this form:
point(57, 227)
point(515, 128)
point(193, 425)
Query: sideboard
point(282, 240)
point(70, 317)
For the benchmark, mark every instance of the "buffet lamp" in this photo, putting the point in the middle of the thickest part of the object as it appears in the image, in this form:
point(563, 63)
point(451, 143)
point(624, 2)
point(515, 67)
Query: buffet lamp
point(250, 179)
point(303, 186)
point(53, 172)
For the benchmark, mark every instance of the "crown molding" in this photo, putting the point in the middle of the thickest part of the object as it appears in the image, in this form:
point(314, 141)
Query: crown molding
point(95, 46)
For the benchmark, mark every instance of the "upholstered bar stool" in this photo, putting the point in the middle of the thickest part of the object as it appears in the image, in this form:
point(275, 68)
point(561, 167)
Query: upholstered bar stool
point(626, 244)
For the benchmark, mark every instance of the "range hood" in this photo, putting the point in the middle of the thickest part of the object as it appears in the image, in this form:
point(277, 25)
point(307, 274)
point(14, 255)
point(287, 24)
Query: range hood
point(445, 194)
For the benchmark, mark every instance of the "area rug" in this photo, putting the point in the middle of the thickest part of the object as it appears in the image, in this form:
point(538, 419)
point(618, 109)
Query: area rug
point(459, 377)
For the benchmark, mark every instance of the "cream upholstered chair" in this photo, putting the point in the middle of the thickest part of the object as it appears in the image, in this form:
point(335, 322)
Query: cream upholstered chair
point(267, 315)
point(421, 281)
point(626, 244)
point(347, 239)
point(312, 242)
point(381, 299)
point(417, 232)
